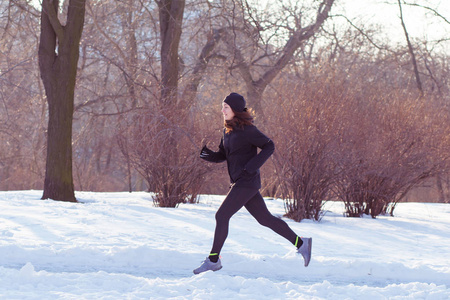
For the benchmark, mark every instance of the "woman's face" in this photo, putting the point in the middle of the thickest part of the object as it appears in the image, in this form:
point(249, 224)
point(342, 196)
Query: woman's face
point(227, 112)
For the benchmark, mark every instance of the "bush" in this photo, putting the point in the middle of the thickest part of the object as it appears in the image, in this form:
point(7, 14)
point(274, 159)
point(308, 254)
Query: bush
point(165, 154)
point(305, 121)
point(338, 138)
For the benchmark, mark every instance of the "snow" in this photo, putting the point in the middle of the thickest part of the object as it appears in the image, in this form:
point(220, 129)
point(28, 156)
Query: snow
point(119, 246)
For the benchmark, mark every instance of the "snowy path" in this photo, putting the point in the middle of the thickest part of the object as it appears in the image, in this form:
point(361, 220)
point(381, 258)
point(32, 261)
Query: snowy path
point(118, 246)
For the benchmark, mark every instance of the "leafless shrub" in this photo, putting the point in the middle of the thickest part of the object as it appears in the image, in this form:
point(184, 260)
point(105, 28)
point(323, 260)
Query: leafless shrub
point(394, 151)
point(165, 154)
point(305, 120)
point(338, 138)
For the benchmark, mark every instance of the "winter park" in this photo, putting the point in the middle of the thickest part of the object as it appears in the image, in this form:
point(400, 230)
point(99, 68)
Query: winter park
point(210, 149)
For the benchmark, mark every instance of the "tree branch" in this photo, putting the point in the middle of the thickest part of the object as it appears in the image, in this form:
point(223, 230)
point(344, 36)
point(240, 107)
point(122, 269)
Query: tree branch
point(430, 9)
point(364, 34)
point(48, 6)
point(411, 50)
point(243, 68)
point(26, 7)
point(294, 43)
point(202, 62)
point(100, 29)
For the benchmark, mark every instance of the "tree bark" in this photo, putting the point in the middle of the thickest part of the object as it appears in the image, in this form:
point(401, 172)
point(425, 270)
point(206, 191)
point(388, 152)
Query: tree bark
point(58, 59)
point(131, 63)
point(170, 19)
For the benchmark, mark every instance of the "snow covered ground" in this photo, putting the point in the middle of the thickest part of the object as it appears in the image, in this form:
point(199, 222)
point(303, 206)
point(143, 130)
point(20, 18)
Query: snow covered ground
point(118, 246)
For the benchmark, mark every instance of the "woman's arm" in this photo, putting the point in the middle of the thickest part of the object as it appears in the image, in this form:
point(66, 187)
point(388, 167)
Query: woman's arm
point(211, 156)
point(266, 145)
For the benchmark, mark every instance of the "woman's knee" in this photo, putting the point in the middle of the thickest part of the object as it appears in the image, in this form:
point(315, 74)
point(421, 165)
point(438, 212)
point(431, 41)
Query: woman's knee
point(268, 220)
point(265, 221)
point(222, 216)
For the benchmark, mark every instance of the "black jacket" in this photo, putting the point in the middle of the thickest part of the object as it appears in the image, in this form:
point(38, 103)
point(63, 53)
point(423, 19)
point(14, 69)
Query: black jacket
point(239, 149)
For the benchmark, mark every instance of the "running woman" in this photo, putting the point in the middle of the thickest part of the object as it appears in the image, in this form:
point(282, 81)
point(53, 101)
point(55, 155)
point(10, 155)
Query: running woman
point(238, 147)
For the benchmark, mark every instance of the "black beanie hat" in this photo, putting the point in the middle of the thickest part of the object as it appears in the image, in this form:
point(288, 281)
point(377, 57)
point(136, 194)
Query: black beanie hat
point(236, 102)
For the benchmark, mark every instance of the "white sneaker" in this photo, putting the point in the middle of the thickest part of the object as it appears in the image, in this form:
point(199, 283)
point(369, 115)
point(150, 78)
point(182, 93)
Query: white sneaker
point(305, 250)
point(208, 265)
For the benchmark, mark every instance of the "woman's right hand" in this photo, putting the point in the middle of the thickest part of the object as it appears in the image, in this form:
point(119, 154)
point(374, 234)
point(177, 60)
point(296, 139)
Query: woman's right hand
point(205, 153)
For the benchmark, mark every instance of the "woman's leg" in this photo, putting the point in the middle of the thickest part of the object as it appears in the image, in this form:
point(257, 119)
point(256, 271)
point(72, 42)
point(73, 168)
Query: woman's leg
point(237, 197)
point(258, 209)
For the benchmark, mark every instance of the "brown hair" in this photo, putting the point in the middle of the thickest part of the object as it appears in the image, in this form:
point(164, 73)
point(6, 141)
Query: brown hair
point(239, 120)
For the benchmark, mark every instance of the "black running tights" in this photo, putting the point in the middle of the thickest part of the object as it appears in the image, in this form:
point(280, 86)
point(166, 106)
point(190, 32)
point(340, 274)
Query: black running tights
point(253, 201)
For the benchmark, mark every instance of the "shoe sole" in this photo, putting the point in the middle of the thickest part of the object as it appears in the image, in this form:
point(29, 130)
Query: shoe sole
point(310, 252)
point(197, 272)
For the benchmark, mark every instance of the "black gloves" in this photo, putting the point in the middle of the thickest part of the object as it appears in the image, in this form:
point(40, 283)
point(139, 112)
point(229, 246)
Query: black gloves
point(205, 153)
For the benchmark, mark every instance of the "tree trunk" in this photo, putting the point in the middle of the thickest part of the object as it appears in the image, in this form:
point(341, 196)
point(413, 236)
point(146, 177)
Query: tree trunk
point(58, 59)
point(131, 61)
point(440, 189)
point(170, 19)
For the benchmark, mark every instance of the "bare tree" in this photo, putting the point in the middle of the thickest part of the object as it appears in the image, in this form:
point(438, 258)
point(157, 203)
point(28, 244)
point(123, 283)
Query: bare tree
point(256, 82)
point(246, 47)
point(58, 59)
